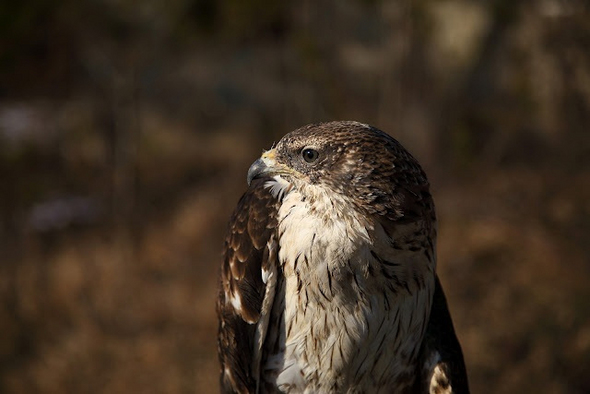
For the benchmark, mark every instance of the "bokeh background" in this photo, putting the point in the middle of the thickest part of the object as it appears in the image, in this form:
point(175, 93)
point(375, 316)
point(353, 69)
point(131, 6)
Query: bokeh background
point(127, 128)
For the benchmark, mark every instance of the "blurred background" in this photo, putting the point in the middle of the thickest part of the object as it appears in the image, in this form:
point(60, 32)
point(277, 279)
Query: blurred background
point(127, 128)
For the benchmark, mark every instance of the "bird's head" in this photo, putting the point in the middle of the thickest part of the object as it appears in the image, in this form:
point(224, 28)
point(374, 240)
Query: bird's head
point(353, 160)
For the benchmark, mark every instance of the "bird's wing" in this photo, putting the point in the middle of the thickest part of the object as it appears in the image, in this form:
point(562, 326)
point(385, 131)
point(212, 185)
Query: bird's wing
point(442, 366)
point(247, 286)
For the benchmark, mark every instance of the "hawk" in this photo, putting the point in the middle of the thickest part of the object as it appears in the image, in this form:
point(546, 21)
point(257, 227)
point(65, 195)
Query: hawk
point(328, 282)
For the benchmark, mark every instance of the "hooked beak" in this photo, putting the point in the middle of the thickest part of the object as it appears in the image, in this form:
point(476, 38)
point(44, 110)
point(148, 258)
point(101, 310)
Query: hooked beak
point(265, 165)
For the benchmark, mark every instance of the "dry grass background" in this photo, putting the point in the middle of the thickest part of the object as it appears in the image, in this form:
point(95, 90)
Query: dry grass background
point(127, 129)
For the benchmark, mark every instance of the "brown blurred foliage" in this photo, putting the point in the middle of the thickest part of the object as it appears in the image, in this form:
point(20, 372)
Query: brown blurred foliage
point(127, 127)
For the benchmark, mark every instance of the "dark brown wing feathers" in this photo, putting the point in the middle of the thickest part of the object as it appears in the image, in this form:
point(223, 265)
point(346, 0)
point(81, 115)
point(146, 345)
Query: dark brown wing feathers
point(246, 253)
point(440, 337)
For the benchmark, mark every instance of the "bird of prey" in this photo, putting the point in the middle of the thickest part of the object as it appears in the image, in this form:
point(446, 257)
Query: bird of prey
point(328, 282)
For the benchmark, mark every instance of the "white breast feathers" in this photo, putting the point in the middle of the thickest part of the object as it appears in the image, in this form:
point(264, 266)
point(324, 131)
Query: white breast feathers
point(347, 327)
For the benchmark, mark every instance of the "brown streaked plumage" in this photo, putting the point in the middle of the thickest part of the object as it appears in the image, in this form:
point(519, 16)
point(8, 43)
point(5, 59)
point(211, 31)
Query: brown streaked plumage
point(329, 282)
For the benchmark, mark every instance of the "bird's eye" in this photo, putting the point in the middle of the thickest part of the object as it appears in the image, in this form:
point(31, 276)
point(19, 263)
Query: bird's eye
point(309, 155)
